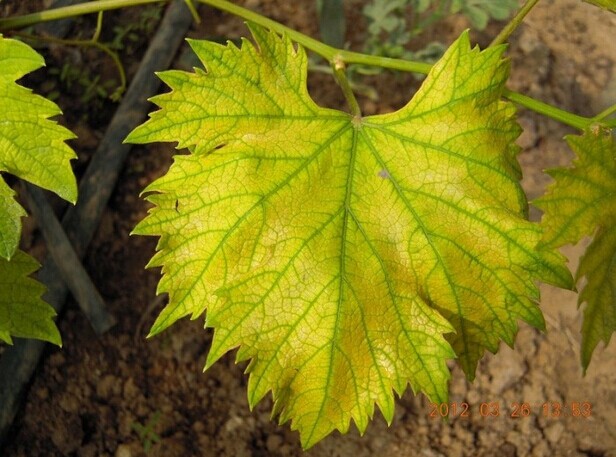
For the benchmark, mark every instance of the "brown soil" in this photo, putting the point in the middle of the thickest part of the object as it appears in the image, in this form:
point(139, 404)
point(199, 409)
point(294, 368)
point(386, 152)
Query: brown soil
point(87, 398)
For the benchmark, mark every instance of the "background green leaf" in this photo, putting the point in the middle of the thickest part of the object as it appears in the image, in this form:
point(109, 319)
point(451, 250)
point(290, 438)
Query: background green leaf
point(22, 312)
point(339, 253)
point(32, 147)
point(582, 202)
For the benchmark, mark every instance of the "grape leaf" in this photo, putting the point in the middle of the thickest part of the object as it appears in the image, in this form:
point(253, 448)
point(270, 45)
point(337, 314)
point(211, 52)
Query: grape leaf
point(606, 4)
point(340, 253)
point(582, 202)
point(32, 147)
point(22, 312)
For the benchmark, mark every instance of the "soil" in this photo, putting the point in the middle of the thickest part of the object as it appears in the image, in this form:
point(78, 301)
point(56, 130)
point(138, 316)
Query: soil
point(122, 395)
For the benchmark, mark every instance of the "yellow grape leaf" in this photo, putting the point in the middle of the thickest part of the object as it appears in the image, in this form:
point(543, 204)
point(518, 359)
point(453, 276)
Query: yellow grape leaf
point(582, 202)
point(346, 257)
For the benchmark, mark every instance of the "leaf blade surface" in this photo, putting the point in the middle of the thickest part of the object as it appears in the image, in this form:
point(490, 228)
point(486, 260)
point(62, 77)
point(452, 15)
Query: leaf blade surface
point(340, 253)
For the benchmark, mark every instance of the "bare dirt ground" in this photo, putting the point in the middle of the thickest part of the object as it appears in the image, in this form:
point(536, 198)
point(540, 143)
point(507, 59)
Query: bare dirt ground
point(88, 398)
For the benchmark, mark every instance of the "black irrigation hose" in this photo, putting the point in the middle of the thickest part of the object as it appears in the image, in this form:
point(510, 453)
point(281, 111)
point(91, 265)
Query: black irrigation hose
point(69, 265)
point(19, 361)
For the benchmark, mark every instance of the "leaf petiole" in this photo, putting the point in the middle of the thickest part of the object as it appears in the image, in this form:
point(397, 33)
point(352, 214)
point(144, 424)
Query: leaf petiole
point(339, 70)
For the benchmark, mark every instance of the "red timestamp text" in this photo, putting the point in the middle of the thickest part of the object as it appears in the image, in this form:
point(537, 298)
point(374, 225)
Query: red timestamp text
point(463, 409)
point(582, 409)
point(453, 409)
point(515, 410)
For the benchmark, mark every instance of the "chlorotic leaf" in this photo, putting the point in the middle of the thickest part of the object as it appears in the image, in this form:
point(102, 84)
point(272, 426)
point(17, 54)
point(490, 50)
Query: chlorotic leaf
point(606, 4)
point(582, 202)
point(346, 257)
point(22, 312)
point(32, 146)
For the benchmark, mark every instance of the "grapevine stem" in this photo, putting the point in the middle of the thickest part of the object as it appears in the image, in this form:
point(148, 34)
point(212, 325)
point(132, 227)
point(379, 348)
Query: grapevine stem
point(322, 49)
point(340, 76)
point(328, 52)
point(573, 120)
point(349, 57)
point(69, 11)
point(605, 113)
point(515, 22)
point(193, 11)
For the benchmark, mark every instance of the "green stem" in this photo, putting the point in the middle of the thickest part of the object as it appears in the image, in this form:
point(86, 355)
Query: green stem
point(358, 88)
point(340, 76)
point(193, 11)
point(328, 52)
point(99, 26)
point(322, 49)
point(515, 22)
point(350, 57)
point(605, 113)
point(573, 120)
point(69, 11)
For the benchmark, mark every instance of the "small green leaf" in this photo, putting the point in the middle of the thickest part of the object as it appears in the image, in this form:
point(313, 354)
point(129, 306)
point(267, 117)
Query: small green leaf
point(32, 147)
point(22, 312)
point(339, 253)
point(582, 202)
